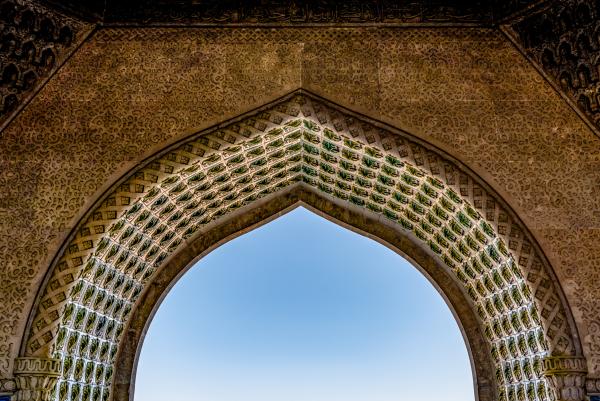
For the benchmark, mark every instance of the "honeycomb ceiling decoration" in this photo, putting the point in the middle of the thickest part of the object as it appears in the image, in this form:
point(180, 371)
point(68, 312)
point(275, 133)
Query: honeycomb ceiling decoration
point(300, 141)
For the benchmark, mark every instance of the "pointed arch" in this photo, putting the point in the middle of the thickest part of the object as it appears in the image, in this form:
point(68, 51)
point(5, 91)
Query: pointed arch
point(303, 142)
point(268, 208)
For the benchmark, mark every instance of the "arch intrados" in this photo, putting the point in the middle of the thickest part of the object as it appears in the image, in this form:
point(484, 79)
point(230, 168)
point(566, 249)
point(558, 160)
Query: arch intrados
point(348, 216)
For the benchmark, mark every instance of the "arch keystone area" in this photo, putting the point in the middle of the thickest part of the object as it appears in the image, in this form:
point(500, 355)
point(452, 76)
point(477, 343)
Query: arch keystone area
point(223, 181)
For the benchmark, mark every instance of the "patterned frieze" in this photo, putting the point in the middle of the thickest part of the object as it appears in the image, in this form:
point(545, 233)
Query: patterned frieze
point(294, 12)
point(35, 378)
point(290, 12)
point(567, 375)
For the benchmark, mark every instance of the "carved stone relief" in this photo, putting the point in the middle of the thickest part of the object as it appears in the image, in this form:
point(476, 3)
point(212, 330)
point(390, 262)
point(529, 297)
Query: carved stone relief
point(127, 91)
point(34, 41)
point(564, 40)
point(7, 386)
point(35, 378)
point(567, 376)
point(87, 301)
point(290, 12)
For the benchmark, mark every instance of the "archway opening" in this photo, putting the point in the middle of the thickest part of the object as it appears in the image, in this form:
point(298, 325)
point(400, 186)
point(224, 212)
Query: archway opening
point(303, 309)
point(215, 185)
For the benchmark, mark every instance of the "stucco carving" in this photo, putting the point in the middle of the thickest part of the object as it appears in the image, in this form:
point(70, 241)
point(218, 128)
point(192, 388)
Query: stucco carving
point(563, 39)
point(274, 12)
point(466, 90)
point(290, 12)
point(35, 378)
point(34, 41)
point(103, 271)
point(7, 386)
point(592, 386)
point(567, 376)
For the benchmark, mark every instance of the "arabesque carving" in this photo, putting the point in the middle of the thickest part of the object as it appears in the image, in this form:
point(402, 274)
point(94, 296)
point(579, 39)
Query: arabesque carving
point(34, 41)
point(87, 301)
point(592, 386)
point(564, 39)
point(7, 386)
point(465, 89)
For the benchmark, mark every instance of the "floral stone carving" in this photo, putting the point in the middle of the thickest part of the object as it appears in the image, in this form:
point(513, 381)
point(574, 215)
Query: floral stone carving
point(300, 140)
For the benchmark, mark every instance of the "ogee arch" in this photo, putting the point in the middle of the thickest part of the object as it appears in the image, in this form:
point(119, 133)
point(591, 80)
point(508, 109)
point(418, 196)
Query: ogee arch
point(303, 141)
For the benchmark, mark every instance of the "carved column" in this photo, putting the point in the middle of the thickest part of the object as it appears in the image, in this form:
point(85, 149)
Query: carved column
point(567, 376)
point(36, 378)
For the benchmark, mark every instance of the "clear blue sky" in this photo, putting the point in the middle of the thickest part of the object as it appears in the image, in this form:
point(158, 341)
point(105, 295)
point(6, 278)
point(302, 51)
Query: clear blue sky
point(302, 309)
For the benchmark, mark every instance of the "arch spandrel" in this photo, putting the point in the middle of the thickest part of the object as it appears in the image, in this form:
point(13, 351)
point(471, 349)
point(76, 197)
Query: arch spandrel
point(301, 140)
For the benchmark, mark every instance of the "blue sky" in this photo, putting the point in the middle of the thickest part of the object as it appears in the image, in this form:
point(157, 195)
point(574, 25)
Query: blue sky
point(302, 309)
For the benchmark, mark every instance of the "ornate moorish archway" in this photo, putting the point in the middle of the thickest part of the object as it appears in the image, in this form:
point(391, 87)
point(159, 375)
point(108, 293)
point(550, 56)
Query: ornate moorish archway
point(183, 202)
point(261, 212)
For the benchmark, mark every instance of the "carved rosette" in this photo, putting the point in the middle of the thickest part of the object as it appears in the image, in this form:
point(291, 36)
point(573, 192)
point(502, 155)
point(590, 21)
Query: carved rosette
point(36, 378)
point(567, 376)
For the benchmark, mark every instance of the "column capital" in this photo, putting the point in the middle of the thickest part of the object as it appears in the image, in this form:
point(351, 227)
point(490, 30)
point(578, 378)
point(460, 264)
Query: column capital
point(36, 378)
point(592, 385)
point(567, 375)
point(7, 386)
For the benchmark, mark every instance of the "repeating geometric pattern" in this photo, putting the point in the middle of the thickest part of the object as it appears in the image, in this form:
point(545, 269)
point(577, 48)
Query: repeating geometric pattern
point(33, 43)
point(300, 141)
point(564, 40)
